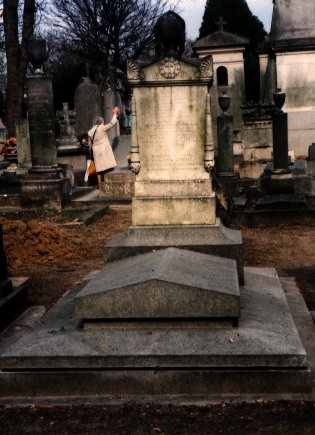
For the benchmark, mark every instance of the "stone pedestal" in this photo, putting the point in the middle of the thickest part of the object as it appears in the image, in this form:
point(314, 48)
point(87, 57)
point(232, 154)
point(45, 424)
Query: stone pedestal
point(208, 239)
point(45, 191)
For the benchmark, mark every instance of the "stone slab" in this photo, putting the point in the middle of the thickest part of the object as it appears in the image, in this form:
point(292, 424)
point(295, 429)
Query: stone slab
point(282, 202)
point(45, 193)
point(258, 331)
point(208, 239)
point(266, 338)
point(169, 283)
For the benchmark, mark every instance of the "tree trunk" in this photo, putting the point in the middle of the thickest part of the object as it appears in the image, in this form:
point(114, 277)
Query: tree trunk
point(16, 57)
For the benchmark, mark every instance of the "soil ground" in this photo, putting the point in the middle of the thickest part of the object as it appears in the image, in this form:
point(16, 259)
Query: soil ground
point(56, 252)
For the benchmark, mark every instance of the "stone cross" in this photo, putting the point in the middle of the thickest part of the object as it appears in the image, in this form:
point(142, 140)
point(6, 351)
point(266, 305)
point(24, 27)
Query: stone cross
point(221, 24)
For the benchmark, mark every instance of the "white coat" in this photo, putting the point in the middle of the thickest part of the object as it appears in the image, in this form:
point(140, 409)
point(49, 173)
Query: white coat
point(102, 151)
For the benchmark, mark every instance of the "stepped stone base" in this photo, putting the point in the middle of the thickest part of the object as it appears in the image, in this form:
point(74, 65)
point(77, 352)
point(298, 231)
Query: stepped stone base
point(264, 354)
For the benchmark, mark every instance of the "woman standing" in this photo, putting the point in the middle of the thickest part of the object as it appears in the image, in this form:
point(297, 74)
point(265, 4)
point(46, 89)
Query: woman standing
point(102, 151)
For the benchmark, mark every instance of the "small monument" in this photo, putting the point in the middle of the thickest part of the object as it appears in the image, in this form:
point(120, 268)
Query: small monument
point(66, 120)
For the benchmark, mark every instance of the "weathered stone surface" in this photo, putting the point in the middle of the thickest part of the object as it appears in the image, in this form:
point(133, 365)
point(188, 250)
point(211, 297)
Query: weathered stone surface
point(209, 239)
point(293, 19)
point(170, 283)
point(23, 139)
point(171, 117)
point(265, 339)
point(41, 122)
point(42, 192)
point(87, 104)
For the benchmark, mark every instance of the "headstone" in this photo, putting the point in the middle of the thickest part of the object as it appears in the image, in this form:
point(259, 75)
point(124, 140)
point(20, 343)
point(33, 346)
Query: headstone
point(66, 119)
point(23, 148)
point(172, 144)
point(87, 105)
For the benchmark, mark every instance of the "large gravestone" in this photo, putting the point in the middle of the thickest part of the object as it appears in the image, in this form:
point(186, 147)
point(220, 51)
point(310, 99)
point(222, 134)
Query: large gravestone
point(160, 323)
point(44, 186)
point(172, 154)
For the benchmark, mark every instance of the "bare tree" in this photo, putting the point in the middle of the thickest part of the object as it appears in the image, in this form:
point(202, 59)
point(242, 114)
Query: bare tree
point(16, 56)
point(115, 29)
point(19, 19)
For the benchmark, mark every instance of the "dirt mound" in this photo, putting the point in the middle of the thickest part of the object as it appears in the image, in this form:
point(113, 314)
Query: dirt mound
point(34, 242)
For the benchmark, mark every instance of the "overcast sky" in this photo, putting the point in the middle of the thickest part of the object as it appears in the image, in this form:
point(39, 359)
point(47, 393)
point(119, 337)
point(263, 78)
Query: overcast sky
point(192, 12)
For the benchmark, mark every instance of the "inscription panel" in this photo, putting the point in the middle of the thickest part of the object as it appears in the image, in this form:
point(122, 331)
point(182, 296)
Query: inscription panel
point(41, 121)
point(171, 132)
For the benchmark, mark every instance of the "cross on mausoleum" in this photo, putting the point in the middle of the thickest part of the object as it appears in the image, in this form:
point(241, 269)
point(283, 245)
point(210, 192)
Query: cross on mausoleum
point(221, 24)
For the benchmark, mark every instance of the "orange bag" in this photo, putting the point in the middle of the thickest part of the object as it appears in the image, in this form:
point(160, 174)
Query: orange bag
point(92, 169)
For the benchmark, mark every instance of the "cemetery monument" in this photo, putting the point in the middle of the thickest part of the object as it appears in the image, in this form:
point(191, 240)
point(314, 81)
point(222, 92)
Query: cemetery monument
point(180, 315)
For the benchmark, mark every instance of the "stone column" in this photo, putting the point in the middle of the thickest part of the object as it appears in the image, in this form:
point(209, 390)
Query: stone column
point(281, 176)
point(225, 164)
point(280, 136)
point(44, 186)
point(225, 175)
